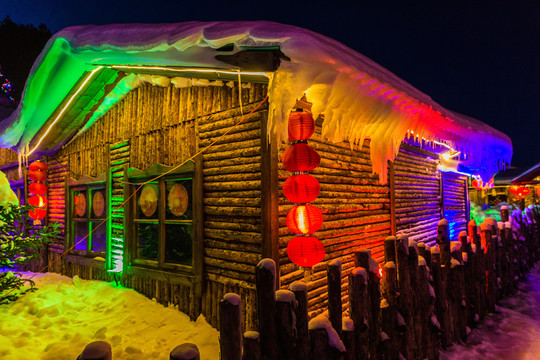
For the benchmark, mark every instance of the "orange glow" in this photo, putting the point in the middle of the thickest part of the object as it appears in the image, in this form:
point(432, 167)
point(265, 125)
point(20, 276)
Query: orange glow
point(381, 273)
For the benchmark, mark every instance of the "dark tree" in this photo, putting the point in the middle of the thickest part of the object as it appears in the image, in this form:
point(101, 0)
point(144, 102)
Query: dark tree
point(19, 47)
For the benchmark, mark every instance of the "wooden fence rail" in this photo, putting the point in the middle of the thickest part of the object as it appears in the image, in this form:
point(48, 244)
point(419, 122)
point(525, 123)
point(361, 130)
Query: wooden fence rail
point(426, 299)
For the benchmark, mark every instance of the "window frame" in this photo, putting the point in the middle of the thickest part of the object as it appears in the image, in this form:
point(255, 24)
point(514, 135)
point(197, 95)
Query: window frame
point(189, 170)
point(88, 185)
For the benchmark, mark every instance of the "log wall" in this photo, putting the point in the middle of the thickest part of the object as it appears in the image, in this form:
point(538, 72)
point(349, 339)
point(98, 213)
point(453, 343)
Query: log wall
point(454, 189)
point(356, 213)
point(417, 195)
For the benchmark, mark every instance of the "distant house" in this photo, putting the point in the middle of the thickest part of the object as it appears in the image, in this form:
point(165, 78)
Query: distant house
point(110, 107)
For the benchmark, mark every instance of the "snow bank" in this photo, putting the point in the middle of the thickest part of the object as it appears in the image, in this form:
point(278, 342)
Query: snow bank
point(58, 320)
point(7, 196)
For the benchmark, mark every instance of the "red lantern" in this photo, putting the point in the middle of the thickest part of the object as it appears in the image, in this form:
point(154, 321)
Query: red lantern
point(37, 175)
point(523, 191)
point(37, 214)
point(301, 126)
point(304, 219)
point(300, 157)
point(301, 188)
point(475, 184)
point(38, 166)
point(305, 251)
point(514, 189)
point(37, 201)
point(37, 188)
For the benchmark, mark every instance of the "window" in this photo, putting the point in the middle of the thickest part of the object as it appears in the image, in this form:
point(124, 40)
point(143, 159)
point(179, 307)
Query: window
point(88, 209)
point(162, 230)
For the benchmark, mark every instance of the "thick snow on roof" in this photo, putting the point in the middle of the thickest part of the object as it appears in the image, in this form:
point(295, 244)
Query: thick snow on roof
point(358, 98)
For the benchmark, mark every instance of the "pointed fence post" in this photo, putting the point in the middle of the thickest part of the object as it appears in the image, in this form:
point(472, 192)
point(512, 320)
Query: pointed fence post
point(265, 275)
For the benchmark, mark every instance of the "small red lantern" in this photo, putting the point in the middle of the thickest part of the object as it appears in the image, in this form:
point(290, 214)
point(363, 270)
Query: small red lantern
point(37, 188)
point(37, 214)
point(523, 191)
point(37, 175)
point(301, 188)
point(304, 219)
point(475, 184)
point(37, 201)
point(38, 166)
point(514, 189)
point(301, 126)
point(305, 251)
point(300, 157)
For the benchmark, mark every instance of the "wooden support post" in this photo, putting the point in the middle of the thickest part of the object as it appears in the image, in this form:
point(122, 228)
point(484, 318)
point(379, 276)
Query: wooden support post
point(299, 289)
point(404, 305)
point(265, 273)
point(252, 348)
point(359, 310)
point(186, 351)
point(286, 327)
point(335, 311)
point(230, 330)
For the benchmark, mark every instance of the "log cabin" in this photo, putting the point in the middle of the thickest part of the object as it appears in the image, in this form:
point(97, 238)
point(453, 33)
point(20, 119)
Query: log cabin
point(172, 136)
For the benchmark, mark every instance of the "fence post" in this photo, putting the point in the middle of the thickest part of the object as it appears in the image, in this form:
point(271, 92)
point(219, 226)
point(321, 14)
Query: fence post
point(349, 339)
point(404, 303)
point(416, 301)
point(285, 327)
point(426, 307)
point(438, 273)
point(389, 290)
point(363, 259)
point(335, 309)
point(252, 348)
point(186, 351)
point(487, 242)
point(324, 341)
point(230, 330)
point(299, 289)
point(468, 277)
point(97, 350)
point(265, 274)
point(359, 310)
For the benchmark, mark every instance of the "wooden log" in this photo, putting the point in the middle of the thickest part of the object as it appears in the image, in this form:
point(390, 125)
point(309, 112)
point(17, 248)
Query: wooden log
point(359, 306)
point(301, 351)
point(418, 307)
point(265, 274)
point(443, 240)
point(390, 249)
point(404, 305)
point(335, 311)
point(285, 325)
point(230, 331)
point(441, 307)
point(252, 348)
point(349, 339)
point(97, 350)
point(426, 306)
point(322, 345)
point(488, 244)
point(390, 293)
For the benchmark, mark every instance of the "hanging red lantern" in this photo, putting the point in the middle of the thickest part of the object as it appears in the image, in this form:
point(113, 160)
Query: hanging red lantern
point(301, 188)
point(475, 184)
point(38, 166)
point(304, 219)
point(37, 201)
point(538, 191)
point(37, 214)
point(514, 189)
point(37, 175)
point(523, 191)
point(300, 157)
point(37, 188)
point(301, 126)
point(305, 251)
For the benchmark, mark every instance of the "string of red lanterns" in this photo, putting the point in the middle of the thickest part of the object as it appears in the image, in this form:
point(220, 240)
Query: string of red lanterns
point(520, 191)
point(38, 173)
point(304, 250)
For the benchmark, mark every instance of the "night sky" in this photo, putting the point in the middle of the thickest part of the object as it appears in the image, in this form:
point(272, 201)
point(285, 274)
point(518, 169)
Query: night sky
point(479, 58)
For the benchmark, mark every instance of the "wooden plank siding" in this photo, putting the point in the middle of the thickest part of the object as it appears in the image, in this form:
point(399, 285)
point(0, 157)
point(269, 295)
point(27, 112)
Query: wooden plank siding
point(417, 184)
point(167, 126)
point(356, 213)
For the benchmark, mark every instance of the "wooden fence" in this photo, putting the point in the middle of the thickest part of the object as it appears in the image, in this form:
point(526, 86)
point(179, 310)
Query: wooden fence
point(420, 300)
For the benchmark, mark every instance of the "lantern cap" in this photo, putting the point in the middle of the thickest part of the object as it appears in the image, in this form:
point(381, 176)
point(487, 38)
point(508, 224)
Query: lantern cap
point(303, 104)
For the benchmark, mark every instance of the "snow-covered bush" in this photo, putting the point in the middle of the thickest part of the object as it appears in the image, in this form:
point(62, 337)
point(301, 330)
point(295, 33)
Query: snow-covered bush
point(17, 248)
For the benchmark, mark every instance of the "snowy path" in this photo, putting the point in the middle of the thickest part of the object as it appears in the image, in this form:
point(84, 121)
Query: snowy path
point(513, 333)
point(58, 320)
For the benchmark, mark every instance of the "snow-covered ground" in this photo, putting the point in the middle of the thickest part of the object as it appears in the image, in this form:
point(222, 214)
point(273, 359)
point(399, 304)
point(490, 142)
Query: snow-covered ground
point(58, 320)
point(513, 333)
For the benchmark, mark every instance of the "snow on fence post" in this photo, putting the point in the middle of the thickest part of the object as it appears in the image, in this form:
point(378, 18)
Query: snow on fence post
point(299, 289)
point(265, 274)
point(230, 330)
point(186, 351)
point(97, 350)
point(251, 346)
point(407, 343)
point(324, 341)
point(359, 310)
point(389, 293)
point(335, 310)
point(363, 259)
point(285, 325)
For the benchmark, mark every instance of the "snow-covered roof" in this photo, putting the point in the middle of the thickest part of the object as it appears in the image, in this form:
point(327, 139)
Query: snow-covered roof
point(359, 98)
